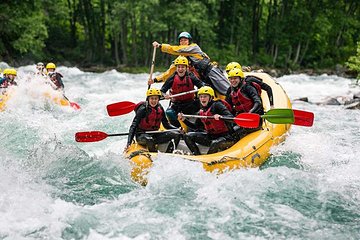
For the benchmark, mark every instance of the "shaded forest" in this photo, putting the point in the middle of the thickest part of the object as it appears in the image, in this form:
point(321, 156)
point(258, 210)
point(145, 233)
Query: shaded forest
point(274, 33)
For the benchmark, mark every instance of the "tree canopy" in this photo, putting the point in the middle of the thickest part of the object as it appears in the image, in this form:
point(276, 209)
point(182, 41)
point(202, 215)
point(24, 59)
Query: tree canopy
point(274, 33)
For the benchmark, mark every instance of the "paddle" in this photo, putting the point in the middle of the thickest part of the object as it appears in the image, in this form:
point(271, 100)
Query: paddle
point(121, 108)
point(289, 116)
point(303, 118)
point(246, 120)
point(96, 136)
point(152, 66)
point(73, 104)
point(279, 116)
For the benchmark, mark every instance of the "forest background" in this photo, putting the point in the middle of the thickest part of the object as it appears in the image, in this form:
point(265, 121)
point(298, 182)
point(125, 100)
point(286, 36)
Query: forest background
point(96, 34)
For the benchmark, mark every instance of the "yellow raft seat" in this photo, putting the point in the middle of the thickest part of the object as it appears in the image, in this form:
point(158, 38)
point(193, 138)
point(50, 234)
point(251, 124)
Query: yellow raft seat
point(251, 151)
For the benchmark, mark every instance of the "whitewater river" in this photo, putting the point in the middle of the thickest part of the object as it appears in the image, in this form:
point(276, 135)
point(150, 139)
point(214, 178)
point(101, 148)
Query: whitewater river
point(54, 188)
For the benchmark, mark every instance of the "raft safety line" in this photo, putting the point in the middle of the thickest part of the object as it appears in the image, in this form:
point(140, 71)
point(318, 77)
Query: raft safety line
point(229, 158)
point(140, 152)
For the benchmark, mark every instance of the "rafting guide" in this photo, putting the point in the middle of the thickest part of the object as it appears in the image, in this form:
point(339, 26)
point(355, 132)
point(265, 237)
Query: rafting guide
point(199, 60)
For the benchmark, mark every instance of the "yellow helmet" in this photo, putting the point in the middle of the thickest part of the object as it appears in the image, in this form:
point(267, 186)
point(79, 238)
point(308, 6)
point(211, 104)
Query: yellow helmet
point(206, 90)
point(10, 71)
point(231, 66)
point(181, 60)
point(6, 71)
point(153, 92)
point(50, 65)
point(236, 72)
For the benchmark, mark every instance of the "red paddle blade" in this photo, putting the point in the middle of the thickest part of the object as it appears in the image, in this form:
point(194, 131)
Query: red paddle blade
point(247, 120)
point(303, 118)
point(93, 136)
point(75, 106)
point(120, 108)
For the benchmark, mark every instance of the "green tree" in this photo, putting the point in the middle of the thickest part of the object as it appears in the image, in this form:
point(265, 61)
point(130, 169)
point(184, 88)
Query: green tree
point(277, 33)
point(354, 63)
point(23, 30)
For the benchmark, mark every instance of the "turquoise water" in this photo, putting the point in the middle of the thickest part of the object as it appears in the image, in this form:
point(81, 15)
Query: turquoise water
point(54, 188)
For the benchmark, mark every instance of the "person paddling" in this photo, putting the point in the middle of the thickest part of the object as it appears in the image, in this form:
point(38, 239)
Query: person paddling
point(149, 115)
point(55, 77)
point(252, 79)
point(8, 79)
point(244, 97)
point(181, 81)
point(208, 72)
point(217, 134)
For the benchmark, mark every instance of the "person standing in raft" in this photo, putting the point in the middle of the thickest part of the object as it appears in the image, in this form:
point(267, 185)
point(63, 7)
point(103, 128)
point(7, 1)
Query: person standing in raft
point(181, 81)
point(206, 70)
point(8, 79)
point(218, 133)
point(253, 79)
point(55, 77)
point(149, 115)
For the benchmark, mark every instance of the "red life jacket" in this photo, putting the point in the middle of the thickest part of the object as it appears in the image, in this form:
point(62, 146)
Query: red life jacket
point(7, 82)
point(240, 101)
point(153, 117)
point(180, 86)
point(253, 83)
point(213, 126)
point(4, 84)
point(193, 70)
point(226, 104)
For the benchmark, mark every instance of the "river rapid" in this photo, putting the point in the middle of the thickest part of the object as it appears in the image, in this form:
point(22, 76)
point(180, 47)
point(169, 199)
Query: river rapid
point(52, 187)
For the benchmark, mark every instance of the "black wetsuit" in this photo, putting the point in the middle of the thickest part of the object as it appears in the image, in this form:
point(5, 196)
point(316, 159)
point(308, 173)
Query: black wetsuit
point(151, 139)
point(216, 142)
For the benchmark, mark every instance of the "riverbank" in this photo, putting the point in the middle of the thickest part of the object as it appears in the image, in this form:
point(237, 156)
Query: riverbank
point(339, 70)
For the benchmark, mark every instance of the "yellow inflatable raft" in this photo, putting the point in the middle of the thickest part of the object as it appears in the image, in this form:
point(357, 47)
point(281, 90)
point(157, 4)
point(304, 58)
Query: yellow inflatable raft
point(56, 98)
point(61, 100)
point(250, 151)
point(3, 99)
